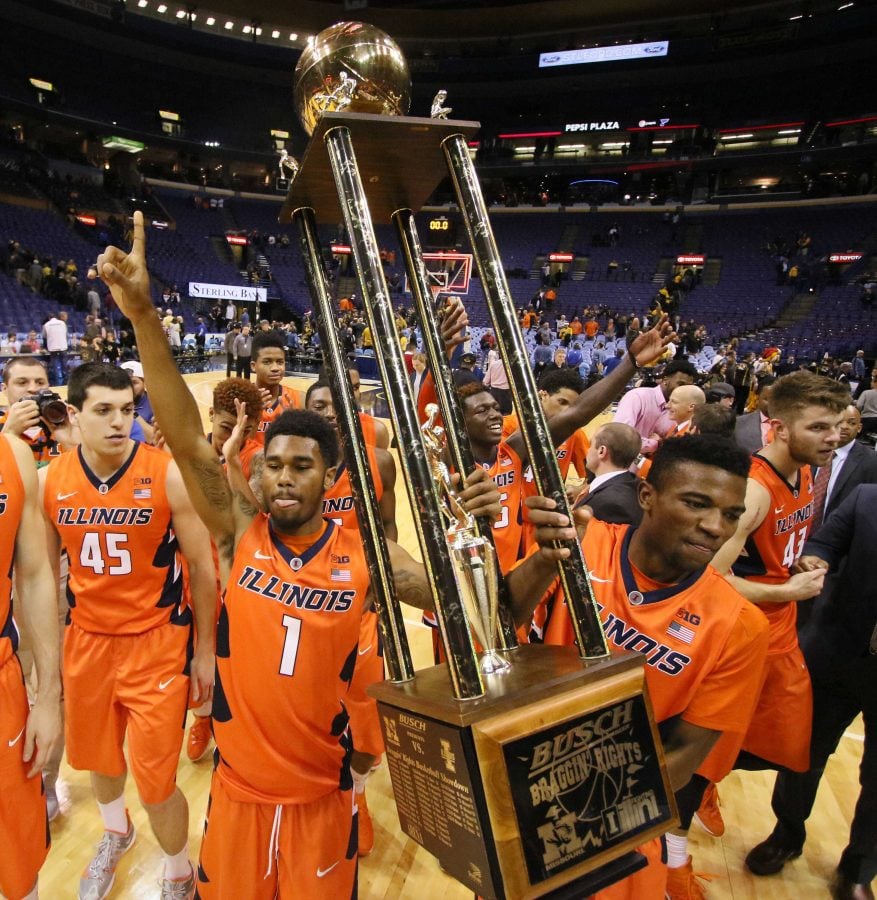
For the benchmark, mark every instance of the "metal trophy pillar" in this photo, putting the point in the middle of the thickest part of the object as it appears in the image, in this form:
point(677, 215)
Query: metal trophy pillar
point(462, 660)
point(540, 448)
point(392, 626)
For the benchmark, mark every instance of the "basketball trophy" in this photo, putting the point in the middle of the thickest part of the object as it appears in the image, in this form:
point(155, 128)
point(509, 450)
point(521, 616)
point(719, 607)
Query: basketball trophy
point(535, 779)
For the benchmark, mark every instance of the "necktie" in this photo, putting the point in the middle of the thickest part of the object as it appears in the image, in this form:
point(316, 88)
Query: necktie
point(820, 490)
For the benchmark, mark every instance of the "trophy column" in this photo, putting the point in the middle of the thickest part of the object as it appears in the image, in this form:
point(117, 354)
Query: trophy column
point(392, 626)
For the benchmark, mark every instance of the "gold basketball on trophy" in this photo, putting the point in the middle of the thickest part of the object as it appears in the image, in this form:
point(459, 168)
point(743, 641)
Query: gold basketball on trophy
point(351, 67)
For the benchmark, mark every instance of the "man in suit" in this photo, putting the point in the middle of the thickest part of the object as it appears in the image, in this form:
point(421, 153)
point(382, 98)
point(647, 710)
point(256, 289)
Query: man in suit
point(753, 429)
point(840, 648)
point(418, 375)
point(853, 464)
point(612, 494)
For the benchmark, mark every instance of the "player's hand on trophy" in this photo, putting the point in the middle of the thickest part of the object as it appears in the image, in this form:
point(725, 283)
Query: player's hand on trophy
point(480, 496)
point(126, 276)
point(552, 526)
point(649, 346)
point(808, 564)
point(454, 324)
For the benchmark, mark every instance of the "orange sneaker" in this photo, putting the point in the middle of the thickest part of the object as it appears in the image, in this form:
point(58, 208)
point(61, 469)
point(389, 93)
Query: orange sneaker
point(199, 738)
point(365, 825)
point(683, 884)
point(709, 815)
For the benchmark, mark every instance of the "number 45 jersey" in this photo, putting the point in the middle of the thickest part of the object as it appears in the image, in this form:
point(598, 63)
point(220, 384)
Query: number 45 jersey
point(125, 568)
point(775, 546)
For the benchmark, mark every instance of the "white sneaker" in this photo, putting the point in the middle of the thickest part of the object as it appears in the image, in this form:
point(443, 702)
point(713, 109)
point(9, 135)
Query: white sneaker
point(97, 879)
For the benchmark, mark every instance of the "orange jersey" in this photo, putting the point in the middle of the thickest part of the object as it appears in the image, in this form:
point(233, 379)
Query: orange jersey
point(287, 399)
point(338, 500)
point(286, 649)
point(704, 645)
point(369, 429)
point(125, 567)
point(774, 547)
point(508, 475)
point(572, 451)
point(11, 506)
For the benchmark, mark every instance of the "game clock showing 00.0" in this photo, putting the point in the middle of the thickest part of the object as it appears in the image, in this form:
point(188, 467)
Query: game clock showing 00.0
point(441, 232)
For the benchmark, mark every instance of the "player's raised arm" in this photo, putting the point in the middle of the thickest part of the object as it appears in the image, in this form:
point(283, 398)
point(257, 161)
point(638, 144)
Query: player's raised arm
point(176, 411)
point(647, 348)
point(37, 596)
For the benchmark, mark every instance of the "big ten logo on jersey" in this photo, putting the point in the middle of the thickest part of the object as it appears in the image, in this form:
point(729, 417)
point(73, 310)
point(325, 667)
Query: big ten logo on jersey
point(312, 599)
point(142, 488)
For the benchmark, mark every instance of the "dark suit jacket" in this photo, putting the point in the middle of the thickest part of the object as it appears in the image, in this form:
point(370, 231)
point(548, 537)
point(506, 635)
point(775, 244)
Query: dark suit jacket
point(860, 468)
point(842, 622)
point(615, 500)
point(747, 432)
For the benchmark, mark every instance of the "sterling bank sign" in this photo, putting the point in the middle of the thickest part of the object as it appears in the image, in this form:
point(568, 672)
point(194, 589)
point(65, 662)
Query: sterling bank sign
point(237, 292)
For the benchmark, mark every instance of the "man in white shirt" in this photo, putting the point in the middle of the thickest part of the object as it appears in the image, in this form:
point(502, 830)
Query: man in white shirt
point(55, 336)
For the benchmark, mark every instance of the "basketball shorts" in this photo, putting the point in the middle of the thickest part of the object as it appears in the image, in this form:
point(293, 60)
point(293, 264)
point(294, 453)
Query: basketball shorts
point(303, 851)
point(364, 723)
point(127, 684)
point(649, 883)
point(781, 724)
point(24, 828)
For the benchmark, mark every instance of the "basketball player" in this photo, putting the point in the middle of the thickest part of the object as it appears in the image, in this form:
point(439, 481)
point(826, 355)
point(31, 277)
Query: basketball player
point(338, 505)
point(268, 363)
point(280, 819)
point(120, 511)
point(656, 588)
point(805, 414)
point(374, 432)
point(223, 419)
point(27, 735)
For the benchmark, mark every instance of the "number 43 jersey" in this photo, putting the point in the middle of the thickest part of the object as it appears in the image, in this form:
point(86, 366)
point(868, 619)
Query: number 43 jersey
point(286, 650)
point(775, 546)
point(125, 568)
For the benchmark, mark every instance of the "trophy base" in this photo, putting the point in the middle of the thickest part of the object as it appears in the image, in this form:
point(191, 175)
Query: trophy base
point(544, 786)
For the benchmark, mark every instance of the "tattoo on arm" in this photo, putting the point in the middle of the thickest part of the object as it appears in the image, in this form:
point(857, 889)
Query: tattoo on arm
point(245, 505)
point(413, 589)
point(212, 481)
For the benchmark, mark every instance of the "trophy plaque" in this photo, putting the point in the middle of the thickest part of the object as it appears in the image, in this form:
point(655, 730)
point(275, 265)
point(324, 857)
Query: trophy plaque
point(528, 771)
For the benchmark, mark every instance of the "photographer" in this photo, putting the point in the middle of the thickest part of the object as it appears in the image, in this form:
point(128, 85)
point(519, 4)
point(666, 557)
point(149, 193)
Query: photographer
point(35, 414)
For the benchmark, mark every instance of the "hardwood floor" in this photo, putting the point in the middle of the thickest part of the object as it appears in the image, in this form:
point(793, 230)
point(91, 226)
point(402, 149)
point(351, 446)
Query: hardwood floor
point(399, 868)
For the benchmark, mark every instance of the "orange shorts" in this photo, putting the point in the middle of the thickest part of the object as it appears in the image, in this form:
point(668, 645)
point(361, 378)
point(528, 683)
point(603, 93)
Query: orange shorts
point(649, 883)
point(364, 723)
point(780, 728)
point(137, 684)
point(24, 829)
point(304, 851)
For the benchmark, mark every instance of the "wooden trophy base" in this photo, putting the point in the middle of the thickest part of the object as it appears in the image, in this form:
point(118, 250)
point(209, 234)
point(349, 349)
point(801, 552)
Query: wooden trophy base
point(543, 786)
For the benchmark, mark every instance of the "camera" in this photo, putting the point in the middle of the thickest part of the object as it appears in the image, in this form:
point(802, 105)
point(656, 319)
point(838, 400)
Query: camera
point(53, 410)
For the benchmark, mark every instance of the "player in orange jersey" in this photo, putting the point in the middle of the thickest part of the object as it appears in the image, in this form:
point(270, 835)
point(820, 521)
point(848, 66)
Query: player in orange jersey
point(505, 460)
point(280, 821)
point(120, 511)
point(704, 645)
point(27, 735)
point(374, 432)
point(223, 419)
point(368, 743)
point(805, 413)
point(268, 363)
